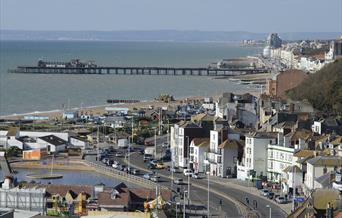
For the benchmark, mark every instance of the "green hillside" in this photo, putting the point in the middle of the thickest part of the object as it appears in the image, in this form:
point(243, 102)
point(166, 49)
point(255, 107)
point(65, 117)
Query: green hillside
point(322, 89)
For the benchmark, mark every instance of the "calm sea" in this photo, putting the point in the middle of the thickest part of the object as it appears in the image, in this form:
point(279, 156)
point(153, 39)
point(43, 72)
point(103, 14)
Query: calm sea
point(27, 93)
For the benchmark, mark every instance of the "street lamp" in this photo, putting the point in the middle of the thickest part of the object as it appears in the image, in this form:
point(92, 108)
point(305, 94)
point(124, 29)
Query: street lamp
point(208, 193)
point(185, 192)
point(270, 210)
point(177, 209)
point(188, 164)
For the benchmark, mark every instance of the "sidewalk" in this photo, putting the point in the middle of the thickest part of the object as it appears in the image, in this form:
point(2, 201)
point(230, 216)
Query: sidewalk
point(244, 186)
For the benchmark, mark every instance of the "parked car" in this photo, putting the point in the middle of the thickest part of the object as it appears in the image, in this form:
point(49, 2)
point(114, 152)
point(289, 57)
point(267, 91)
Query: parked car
point(119, 154)
point(281, 200)
point(175, 170)
point(147, 157)
point(264, 192)
point(270, 195)
point(120, 167)
point(151, 166)
point(147, 176)
point(104, 160)
point(187, 172)
point(155, 178)
point(178, 181)
point(196, 176)
point(160, 166)
point(135, 171)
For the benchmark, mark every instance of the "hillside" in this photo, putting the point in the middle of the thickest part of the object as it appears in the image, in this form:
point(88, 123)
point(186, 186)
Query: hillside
point(322, 89)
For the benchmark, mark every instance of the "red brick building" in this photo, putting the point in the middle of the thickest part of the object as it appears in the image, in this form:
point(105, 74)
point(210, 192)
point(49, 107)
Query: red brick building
point(284, 81)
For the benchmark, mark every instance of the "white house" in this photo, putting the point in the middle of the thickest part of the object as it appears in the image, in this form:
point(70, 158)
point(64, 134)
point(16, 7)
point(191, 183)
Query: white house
point(223, 152)
point(10, 138)
point(181, 136)
point(254, 159)
point(279, 157)
point(78, 142)
point(319, 166)
point(198, 148)
point(52, 143)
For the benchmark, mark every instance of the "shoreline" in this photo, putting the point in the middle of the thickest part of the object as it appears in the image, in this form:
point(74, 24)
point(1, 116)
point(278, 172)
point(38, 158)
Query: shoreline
point(100, 109)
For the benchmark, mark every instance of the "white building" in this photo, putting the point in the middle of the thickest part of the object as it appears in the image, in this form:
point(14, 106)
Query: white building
point(198, 148)
point(180, 138)
point(319, 166)
point(78, 142)
point(52, 143)
point(222, 156)
point(255, 153)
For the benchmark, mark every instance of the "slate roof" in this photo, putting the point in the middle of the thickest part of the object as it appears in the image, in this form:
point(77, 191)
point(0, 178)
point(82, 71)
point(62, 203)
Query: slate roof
point(54, 140)
point(199, 142)
point(328, 161)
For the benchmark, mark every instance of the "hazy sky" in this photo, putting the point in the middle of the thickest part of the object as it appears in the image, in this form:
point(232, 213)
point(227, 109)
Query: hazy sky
point(223, 15)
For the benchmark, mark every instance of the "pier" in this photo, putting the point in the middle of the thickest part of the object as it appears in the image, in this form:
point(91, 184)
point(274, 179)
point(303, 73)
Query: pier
point(172, 71)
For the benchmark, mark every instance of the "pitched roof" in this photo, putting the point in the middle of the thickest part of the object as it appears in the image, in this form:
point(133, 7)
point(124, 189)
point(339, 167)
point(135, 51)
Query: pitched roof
point(62, 190)
point(326, 161)
point(292, 169)
point(229, 143)
point(121, 199)
point(199, 142)
point(54, 140)
point(321, 197)
point(303, 134)
point(304, 153)
point(337, 140)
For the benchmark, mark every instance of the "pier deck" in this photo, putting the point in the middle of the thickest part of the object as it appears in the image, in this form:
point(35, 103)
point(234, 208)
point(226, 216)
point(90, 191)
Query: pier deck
point(172, 71)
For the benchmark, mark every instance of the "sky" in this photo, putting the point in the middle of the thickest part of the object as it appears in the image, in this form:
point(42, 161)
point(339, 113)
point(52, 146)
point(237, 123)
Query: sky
point(207, 15)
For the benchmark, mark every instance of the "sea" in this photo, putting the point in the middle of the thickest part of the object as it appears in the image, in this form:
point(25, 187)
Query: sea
point(21, 93)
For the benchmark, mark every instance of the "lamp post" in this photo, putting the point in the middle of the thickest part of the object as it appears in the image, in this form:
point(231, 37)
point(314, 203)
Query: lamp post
point(185, 192)
point(155, 143)
point(177, 209)
point(188, 164)
point(208, 194)
point(270, 210)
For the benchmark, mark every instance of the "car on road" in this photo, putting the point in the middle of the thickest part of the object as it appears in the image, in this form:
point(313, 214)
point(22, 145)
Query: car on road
point(187, 172)
point(134, 171)
point(120, 167)
point(147, 157)
point(175, 170)
point(196, 176)
point(147, 175)
point(281, 200)
point(178, 181)
point(160, 166)
point(270, 195)
point(119, 154)
point(155, 178)
point(104, 160)
point(264, 192)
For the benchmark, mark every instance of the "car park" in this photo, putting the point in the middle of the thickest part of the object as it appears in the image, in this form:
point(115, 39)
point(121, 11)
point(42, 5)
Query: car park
point(264, 192)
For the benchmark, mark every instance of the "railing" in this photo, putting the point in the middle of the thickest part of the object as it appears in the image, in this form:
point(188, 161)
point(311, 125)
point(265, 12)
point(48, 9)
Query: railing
point(123, 175)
